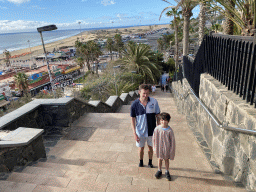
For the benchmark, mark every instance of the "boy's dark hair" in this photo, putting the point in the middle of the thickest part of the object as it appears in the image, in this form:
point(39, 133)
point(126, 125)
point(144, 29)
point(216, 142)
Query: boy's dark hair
point(145, 87)
point(165, 116)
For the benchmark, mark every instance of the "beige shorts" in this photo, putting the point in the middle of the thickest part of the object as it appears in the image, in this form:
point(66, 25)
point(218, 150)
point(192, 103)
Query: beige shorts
point(143, 141)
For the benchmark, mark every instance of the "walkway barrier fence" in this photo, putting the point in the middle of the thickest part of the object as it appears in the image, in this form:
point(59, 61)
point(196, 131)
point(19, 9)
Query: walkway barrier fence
point(229, 59)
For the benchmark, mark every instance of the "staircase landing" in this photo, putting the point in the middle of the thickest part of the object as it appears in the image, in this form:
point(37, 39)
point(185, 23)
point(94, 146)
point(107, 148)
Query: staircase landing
point(99, 154)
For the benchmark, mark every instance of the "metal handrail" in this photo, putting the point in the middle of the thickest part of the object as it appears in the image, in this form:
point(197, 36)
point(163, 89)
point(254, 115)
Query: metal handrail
point(240, 130)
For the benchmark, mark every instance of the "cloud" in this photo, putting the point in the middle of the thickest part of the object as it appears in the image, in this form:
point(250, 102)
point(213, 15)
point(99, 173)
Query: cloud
point(7, 26)
point(36, 7)
point(107, 2)
point(3, 7)
point(84, 0)
point(18, 1)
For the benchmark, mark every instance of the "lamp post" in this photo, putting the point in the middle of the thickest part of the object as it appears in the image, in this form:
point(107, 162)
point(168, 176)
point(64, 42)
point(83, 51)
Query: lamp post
point(30, 55)
point(40, 30)
point(115, 67)
point(80, 29)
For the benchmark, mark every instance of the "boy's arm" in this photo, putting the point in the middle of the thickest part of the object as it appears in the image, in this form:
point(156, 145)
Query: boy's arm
point(134, 130)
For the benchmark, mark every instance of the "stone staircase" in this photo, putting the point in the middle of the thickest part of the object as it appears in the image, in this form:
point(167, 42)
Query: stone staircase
point(98, 153)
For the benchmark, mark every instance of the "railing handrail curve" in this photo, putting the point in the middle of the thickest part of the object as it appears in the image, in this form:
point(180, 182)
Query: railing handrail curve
point(216, 121)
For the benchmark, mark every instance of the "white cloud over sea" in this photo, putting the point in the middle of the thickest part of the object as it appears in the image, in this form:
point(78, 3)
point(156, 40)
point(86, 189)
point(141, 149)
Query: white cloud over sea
point(7, 26)
point(107, 2)
point(18, 1)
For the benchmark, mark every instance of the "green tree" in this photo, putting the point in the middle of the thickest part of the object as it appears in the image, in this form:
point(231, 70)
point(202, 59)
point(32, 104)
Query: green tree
point(137, 58)
point(7, 55)
point(95, 52)
point(21, 81)
point(202, 20)
point(119, 45)
point(176, 22)
point(110, 46)
point(241, 12)
point(160, 44)
point(80, 62)
point(89, 51)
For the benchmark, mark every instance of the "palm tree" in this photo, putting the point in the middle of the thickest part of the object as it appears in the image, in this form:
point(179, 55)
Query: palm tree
point(202, 20)
point(80, 62)
point(95, 53)
point(21, 81)
point(118, 44)
point(176, 21)
point(89, 51)
point(241, 12)
point(186, 6)
point(7, 58)
point(110, 46)
point(137, 58)
point(121, 87)
point(160, 44)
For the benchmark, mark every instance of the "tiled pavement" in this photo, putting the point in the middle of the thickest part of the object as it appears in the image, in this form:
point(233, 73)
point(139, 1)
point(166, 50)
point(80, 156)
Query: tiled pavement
point(99, 154)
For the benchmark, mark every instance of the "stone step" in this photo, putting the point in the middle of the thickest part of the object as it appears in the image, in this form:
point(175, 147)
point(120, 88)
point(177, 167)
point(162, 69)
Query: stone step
point(60, 166)
point(39, 179)
point(9, 186)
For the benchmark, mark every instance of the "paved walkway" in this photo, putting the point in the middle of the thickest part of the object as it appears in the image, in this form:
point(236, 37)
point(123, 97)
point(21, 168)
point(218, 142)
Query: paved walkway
point(99, 154)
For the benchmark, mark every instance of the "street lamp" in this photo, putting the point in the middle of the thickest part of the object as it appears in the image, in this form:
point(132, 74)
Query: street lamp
point(115, 67)
point(40, 30)
point(80, 29)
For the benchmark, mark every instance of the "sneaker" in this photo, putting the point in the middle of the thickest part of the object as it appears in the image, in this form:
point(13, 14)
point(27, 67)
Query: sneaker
point(158, 174)
point(150, 165)
point(168, 176)
point(141, 165)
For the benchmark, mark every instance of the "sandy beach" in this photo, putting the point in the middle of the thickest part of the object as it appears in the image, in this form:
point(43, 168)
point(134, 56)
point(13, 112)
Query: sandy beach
point(86, 36)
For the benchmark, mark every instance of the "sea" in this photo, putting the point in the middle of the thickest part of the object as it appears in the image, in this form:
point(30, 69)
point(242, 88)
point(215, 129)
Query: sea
point(17, 41)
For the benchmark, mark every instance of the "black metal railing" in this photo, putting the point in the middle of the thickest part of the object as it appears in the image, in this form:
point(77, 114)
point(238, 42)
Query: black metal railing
point(229, 59)
point(178, 75)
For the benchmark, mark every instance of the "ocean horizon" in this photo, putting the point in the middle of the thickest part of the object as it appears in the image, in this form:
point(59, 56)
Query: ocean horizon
point(16, 41)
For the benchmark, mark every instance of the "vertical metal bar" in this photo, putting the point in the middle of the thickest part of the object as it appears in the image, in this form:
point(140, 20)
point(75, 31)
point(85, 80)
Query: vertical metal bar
point(247, 71)
point(233, 65)
point(218, 58)
point(243, 69)
point(205, 41)
point(227, 62)
point(209, 58)
point(215, 57)
point(224, 49)
point(237, 67)
point(249, 92)
point(240, 67)
point(230, 64)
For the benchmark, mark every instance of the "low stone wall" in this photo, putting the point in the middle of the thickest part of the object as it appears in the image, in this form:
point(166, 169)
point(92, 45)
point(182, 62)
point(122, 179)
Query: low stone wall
point(230, 152)
point(59, 112)
point(42, 113)
point(13, 156)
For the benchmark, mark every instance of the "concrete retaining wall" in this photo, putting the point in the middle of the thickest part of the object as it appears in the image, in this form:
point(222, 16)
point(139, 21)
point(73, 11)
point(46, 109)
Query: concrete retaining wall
point(232, 153)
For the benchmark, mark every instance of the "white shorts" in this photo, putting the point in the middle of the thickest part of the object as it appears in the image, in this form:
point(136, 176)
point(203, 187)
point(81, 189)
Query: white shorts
point(143, 141)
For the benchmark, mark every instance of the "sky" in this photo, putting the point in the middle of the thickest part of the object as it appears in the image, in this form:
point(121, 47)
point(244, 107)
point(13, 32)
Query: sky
point(27, 15)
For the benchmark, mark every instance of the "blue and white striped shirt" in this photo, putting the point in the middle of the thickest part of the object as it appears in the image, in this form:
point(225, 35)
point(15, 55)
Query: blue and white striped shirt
point(145, 116)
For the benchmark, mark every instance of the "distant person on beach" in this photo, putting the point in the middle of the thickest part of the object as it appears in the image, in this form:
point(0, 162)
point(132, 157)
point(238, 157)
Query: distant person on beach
point(144, 112)
point(164, 144)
